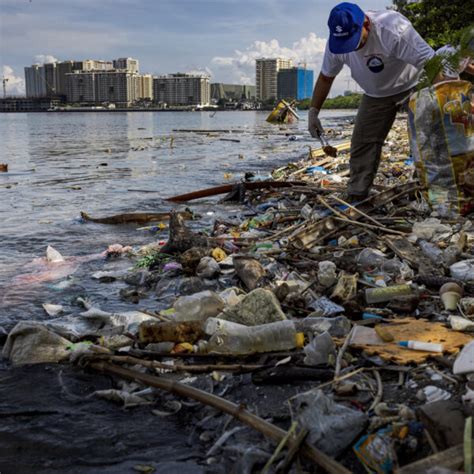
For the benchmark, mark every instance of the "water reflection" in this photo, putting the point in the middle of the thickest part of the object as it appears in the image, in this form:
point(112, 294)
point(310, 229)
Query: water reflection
point(64, 163)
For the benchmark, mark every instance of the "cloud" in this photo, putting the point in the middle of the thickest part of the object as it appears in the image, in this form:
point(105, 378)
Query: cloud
point(199, 71)
point(240, 66)
point(309, 50)
point(44, 59)
point(15, 84)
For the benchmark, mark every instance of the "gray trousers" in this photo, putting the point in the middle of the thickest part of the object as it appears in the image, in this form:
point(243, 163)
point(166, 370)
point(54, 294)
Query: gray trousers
point(374, 120)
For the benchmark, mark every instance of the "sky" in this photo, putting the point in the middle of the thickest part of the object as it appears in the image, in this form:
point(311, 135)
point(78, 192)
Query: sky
point(220, 37)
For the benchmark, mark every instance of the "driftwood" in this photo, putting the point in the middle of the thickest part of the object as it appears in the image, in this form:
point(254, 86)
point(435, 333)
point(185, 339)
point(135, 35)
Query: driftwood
point(136, 217)
point(237, 411)
point(181, 238)
point(195, 369)
point(227, 188)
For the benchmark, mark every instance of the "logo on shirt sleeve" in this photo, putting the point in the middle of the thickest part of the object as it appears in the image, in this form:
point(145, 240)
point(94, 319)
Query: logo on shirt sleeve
point(375, 64)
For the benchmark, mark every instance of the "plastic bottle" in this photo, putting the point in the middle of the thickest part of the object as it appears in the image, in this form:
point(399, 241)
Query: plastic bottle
point(381, 295)
point(432, 251)
point(327, 273)
point(371, 258)
point(421, 346)
point(233, 338)
point(337, 326)
point(198, 307)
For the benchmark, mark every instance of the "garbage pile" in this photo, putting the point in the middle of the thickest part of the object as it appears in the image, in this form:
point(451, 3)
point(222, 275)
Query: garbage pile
point(339, 335)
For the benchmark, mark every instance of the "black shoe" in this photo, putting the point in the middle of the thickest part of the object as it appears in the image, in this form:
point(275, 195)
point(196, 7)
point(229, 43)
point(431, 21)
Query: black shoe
point(354, 198)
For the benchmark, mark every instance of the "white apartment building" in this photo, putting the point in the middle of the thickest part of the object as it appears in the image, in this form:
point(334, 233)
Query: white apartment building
point(115, 87)
point(182, 89)
point(144, 86)
point(128, 64)
point(266, 76)
point(97, 65)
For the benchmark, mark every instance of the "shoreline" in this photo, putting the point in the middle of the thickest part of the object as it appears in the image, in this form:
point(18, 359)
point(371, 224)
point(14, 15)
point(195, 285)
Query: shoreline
point(264, 393)
point(151, 110)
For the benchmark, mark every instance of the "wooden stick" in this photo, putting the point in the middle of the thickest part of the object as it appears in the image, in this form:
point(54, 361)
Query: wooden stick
point(374, 221)
point(370, 226)
point(379, 395)
point(340, 354)
point(342, 217)
point(285, 465)
point(280, 446)
point(152, 364)
point(341, 378)
point(237, 411)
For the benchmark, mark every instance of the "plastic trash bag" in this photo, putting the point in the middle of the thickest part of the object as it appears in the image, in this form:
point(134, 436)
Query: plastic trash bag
point(441, 126)
point(332, 426)
point(30, 342)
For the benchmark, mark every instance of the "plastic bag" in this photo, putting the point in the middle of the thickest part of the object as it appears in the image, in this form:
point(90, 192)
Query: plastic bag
point(332, 426)
point(441, 126)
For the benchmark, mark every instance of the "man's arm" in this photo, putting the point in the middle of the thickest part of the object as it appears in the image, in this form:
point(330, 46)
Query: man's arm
point(321, 90)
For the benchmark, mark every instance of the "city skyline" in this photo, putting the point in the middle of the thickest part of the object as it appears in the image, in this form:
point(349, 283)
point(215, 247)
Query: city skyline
point(220, 38)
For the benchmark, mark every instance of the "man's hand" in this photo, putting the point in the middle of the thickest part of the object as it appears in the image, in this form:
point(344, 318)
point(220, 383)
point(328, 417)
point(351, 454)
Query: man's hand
point(314, 124)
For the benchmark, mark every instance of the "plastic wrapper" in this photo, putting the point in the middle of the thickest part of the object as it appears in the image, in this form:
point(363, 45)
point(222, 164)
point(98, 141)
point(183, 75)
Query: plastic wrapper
point(376, 451)
point(441, 126)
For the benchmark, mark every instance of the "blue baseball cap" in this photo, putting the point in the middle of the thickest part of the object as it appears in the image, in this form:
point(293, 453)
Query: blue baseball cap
point(345, 27)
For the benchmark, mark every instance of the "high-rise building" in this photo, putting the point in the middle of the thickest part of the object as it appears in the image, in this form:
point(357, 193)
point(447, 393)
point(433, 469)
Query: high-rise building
point(50, 79)
point(63, 68)
point(35, 83)
point(295, 83)
point(181, 89)
point(128, 64)
point(144, 86)
point(266, 76)
point(117, 87)
point(81, 87)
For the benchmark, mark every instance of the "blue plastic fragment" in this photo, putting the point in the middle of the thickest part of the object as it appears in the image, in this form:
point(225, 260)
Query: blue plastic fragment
point(316, 169)
point(370, 316)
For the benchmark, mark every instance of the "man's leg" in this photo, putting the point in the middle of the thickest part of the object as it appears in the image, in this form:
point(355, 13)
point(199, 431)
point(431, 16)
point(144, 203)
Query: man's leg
point(373, 122)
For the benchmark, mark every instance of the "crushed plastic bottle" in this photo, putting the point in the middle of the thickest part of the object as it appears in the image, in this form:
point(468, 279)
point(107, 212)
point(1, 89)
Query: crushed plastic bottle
point(327, 275)
point(198, 307)
point(233, 338)
point(432, 251)
point(371, 258)
point(463, 270)
point(337, 326)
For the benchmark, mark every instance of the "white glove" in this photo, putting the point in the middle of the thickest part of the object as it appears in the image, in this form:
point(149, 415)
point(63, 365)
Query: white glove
point(314, 124)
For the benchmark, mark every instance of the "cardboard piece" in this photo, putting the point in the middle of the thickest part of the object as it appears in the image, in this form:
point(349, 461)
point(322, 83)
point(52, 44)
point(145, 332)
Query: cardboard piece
point(410, 329)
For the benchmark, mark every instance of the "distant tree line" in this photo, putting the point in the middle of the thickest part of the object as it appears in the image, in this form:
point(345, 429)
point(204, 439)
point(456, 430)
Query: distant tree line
point(351, 101)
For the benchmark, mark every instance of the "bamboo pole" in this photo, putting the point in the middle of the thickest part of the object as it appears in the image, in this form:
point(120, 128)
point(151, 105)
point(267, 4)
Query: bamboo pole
point(237, 411)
